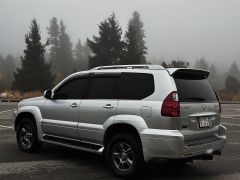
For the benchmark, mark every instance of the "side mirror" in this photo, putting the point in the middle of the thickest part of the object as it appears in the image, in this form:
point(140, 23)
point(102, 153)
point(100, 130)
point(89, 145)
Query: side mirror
point(48, 94)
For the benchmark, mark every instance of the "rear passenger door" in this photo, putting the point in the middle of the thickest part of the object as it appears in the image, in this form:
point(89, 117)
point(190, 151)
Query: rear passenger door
point(97, 107)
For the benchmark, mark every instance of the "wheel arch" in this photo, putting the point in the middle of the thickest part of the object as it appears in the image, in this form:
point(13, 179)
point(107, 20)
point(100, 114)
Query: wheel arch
point(22, 115)
point(34, 113)
point(120, 128)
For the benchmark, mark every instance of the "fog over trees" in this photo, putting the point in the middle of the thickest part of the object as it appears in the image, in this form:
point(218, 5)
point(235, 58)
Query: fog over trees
point(45, 63)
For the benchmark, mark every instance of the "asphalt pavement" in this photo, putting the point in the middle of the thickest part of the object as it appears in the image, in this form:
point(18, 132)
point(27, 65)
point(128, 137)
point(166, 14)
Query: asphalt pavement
point(54, 162)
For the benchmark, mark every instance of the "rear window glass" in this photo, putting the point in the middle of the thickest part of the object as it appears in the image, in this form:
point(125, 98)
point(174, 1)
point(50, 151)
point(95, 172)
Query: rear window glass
point(195, 90)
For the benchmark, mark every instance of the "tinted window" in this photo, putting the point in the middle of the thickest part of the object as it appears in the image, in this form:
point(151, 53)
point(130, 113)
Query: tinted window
point(195, 90)
point(134, 86)
point(73, 89)
point(101, 88)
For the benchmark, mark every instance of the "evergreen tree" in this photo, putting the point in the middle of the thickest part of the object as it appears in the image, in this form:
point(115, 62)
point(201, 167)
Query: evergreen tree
point(65, 56)
point(234, 71)
point(214, 78)
point(108, 47)
point(80, 63)
point(1, 64)
point(35, 73)
point(1, 73)
point(232, 85)
point(86, 53)
point(10, 67)
point(176, 63)
point(53, 40)
point(202, 64)
point(135, 44)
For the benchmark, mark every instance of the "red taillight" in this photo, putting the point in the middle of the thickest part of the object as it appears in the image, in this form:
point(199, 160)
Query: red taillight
point(171, 105)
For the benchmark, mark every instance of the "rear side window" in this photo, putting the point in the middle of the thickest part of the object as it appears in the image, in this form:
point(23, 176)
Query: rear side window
point(190, 90)
point(134, 86)
point(101, 88)
point(72, 89)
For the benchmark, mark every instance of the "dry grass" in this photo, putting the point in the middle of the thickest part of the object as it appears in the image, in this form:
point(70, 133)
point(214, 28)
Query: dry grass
point(21, 95)
point(228, 97)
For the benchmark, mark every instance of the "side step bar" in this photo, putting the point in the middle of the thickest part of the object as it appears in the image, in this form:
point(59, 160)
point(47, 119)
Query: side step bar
point(75, 144)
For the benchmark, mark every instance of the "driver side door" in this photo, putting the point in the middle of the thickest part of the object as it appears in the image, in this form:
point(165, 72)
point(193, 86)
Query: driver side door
point(60, 114)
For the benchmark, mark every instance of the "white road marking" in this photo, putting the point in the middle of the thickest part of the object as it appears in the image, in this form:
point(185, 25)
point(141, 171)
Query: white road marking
point(230, 124)
point(7, 127)
point(7, 111)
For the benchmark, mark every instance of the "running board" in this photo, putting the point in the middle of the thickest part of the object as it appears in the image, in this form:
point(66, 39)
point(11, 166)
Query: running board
point(75, 144)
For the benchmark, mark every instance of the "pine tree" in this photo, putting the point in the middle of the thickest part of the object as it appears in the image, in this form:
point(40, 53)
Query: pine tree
point(35, 73)
point(135, 44)
point(234, 71)
point(202, 64)
point(1, 73)
point(81, 53)
point(108, 46)
point(53, 40)
point(65, 55)
point(10, 67)
point(86, 53)
point(232, 85)
point(214, 78)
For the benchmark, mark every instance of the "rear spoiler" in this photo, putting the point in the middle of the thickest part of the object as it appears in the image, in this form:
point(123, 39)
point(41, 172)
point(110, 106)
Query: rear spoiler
point(184, 73)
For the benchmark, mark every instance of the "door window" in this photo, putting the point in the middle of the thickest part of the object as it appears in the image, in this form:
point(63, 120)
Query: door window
point(73, 89)
point(101, 88)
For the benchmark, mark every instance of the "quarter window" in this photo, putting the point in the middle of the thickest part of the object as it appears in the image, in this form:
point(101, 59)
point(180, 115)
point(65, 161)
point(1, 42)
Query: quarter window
point(134, 86)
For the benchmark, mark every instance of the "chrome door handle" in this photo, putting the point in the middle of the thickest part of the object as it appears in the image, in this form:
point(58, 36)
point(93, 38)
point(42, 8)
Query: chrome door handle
point(108, 106)
point(74, 105)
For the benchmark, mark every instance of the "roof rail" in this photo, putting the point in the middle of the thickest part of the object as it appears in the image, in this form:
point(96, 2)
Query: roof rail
point(138, 66)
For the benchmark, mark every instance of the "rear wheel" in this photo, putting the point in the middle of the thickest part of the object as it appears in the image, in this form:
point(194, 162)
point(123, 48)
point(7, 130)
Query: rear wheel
point(124, 155)
point(27, 137)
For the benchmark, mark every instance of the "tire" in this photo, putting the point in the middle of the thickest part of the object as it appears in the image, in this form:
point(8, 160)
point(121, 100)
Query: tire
point(27, 136)
point(124, 155)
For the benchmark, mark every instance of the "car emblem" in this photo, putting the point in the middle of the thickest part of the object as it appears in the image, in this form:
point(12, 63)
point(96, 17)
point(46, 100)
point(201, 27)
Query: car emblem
point(204, 107)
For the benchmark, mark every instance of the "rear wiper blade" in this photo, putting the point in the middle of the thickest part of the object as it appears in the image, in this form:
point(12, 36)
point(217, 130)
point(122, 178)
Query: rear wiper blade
point(196, 98)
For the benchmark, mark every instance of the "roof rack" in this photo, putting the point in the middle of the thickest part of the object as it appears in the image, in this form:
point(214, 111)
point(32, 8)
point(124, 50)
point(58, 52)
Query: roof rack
point(142, 66)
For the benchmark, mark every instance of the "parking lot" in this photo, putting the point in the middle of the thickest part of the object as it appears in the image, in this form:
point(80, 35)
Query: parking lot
point(54, 162)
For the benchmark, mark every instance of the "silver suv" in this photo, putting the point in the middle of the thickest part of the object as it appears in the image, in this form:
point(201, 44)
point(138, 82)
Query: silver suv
point(129, 113)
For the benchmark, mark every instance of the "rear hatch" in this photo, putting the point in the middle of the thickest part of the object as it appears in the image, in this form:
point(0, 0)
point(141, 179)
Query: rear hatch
point(199, 105)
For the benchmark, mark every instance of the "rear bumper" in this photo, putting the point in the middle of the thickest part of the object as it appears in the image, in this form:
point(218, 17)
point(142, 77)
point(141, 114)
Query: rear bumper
point(170, 144)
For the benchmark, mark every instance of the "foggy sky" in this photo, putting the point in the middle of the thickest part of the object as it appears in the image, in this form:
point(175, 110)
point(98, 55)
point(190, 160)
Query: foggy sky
point(184, 28)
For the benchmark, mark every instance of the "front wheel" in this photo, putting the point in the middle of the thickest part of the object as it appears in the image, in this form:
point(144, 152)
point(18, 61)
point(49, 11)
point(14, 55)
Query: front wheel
point(124, 155)
point(27, 137)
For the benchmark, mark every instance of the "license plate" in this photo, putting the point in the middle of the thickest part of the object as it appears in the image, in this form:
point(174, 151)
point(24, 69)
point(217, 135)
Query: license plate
point(204, 122)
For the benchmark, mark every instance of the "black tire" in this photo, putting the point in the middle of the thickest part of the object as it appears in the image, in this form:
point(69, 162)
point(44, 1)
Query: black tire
point(131, 155)
point(27, 136)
